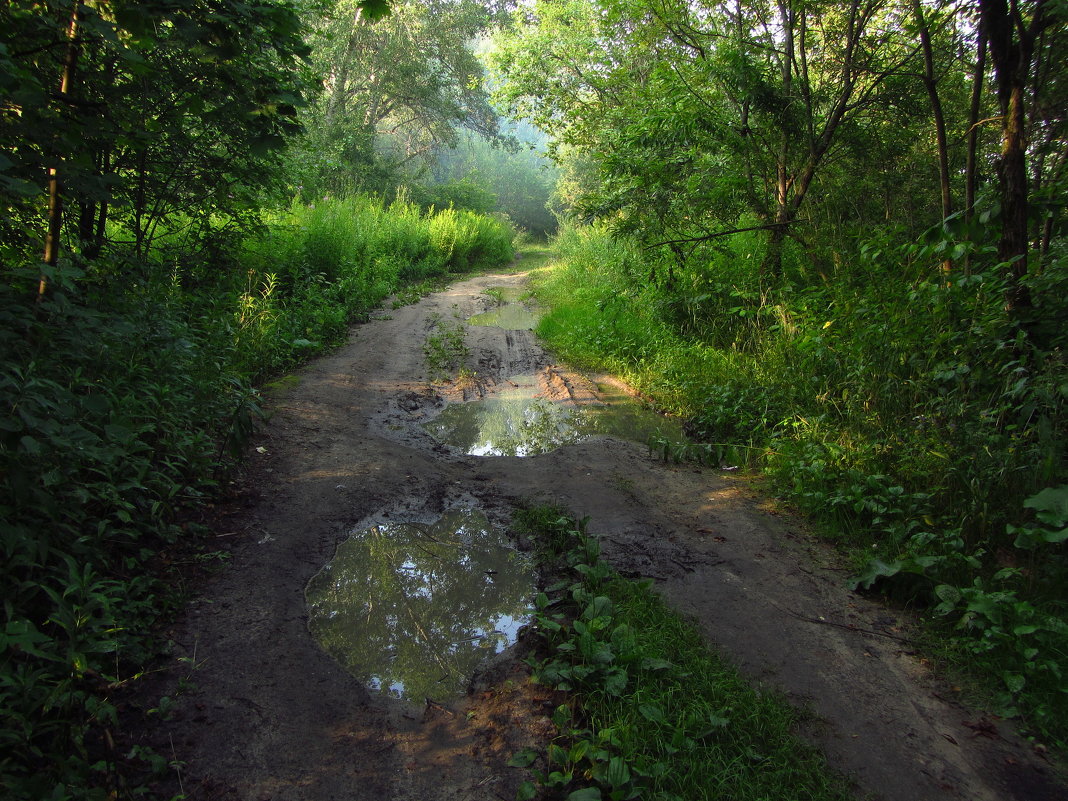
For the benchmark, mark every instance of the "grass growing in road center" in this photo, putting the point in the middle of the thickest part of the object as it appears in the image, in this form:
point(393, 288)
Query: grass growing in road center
point(650, 713)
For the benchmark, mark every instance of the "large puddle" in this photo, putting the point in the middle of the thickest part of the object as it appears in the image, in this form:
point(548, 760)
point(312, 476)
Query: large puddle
point(412, 609)
point(516, 422)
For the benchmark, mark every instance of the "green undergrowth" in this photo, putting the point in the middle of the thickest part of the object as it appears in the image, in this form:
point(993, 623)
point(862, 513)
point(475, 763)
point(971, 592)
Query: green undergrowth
point(651, 713)
point(127, 392)
point(323, 265)
point(532, 254)
point(901, 410)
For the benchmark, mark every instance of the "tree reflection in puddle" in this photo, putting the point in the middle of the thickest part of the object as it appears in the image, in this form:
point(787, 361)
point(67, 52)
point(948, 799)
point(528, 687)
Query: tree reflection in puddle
point(515, 422)
point(511, 423)
point(412, 609)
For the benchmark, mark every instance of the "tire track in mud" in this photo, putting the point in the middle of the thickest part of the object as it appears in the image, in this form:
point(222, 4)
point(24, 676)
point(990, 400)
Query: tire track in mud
point(271, 716)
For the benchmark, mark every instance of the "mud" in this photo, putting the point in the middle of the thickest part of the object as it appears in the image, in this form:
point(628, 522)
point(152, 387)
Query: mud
point(263, 712)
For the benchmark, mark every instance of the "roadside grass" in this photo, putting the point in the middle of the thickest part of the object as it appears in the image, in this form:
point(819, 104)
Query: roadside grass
point(324, 265)
point(651, 712)
point(895, 409)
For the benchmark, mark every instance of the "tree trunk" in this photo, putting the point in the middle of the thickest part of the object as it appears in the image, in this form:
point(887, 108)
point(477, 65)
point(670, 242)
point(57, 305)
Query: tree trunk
point(1011, 40)
point(931, 84)
point(772, 262)
point(971, 179)
point(55, 196)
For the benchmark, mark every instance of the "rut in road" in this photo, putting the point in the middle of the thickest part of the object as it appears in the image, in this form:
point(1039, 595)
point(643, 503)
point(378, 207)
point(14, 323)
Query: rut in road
point(271, 716)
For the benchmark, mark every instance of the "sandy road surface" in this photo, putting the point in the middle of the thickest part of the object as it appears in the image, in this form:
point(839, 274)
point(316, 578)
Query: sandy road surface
point(271, 716)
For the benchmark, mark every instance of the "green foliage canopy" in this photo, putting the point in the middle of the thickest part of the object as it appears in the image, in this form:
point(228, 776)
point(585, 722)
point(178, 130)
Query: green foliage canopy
point(143, 110)
point(392, 91)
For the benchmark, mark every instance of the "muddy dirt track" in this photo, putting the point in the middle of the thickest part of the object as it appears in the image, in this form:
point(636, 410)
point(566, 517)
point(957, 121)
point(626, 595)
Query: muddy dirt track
point(266, 714)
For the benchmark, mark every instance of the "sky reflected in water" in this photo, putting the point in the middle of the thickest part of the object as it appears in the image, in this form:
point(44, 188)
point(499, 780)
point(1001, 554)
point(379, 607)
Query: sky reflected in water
point(412, 609)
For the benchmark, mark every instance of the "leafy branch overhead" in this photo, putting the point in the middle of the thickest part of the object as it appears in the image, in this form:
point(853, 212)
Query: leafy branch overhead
point(374, 9)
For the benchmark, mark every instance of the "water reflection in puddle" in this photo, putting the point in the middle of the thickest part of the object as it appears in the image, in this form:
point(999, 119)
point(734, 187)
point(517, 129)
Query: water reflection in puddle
point(516, 422)
point(412, 609)
point(510, 314)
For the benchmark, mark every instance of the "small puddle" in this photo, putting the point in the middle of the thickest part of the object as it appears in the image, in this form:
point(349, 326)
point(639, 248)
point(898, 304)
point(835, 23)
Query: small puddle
point(516, 422)
point(510, 314)
point(507, 294)
point(411, 609)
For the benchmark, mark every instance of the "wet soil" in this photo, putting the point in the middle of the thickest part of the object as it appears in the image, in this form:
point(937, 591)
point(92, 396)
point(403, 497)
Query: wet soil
point(263, 712)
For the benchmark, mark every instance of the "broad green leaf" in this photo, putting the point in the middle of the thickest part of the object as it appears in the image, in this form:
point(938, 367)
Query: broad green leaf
point(651, 712)
point(875, 570)
point(1055, 536)
point(601, 606)
point(578, 751)
point(1014, 681)
point(562, 716)
point(948, 594)
point(375, 9)
point(618, 772)
point(615, 683)
point(1051, 505)
point(651, 663)
point(524, 758)
point(557, 755)
point(23, 635)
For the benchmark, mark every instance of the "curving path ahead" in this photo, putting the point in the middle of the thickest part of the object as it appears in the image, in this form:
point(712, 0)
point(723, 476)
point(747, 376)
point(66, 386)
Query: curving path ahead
point(270, 716)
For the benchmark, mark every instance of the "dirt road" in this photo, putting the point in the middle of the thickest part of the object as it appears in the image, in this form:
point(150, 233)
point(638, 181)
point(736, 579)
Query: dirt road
point(266, 714)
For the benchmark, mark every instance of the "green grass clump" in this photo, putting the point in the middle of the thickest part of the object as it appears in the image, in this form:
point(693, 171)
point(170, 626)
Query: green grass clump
point(651, 712)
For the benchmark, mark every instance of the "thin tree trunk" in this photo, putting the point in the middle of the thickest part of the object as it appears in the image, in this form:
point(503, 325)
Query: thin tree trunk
point(96, 243)
point(772, 262)
point(55, 196)
point(931, 84)
point(140, 203)
point(971, 179)
point(1011, 51)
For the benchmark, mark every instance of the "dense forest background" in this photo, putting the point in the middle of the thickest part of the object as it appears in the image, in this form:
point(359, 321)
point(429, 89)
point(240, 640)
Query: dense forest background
point(832, 235)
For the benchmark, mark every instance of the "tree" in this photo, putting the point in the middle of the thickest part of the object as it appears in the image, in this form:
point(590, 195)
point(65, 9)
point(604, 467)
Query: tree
point(1012, 31)
point(519, 178)
point(141, 112)
point(930, 83)
point(392, 92)
point(703, 116)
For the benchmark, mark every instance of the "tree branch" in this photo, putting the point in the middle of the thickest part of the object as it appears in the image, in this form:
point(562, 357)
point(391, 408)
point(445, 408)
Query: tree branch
point(716, 235)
